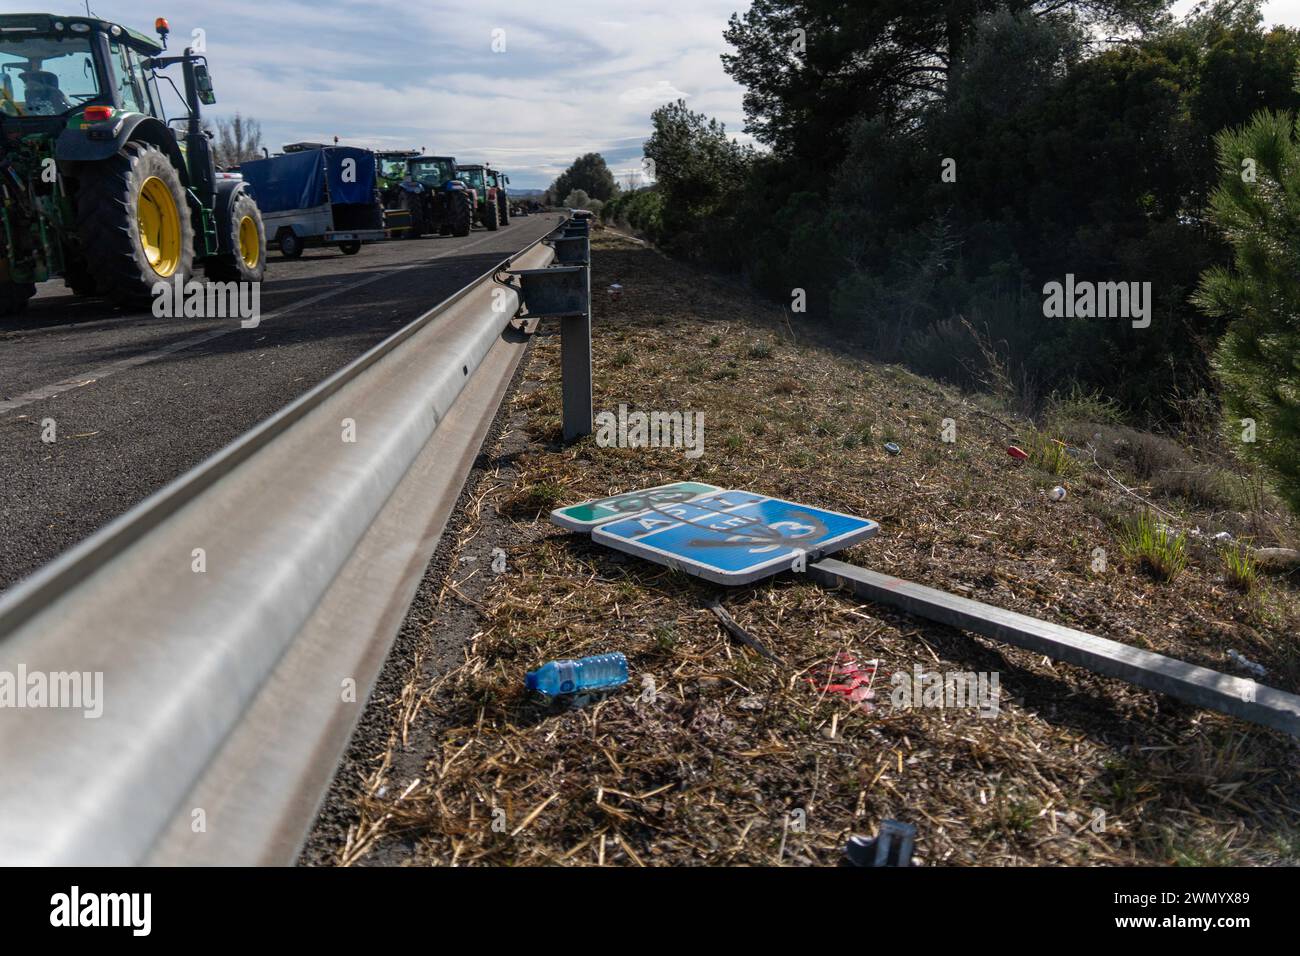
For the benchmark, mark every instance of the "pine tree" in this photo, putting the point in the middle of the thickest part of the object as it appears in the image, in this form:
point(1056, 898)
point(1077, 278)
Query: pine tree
point(1257, 206)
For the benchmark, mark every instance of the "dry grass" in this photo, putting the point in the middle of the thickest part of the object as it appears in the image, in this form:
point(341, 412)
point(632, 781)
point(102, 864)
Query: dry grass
point(715, 755)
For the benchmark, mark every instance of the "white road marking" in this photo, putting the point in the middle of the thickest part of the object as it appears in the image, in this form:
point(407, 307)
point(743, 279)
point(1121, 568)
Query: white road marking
point(104, 371)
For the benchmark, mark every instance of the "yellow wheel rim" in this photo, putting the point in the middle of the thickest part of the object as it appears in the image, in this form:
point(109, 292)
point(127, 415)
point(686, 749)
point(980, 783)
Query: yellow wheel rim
point(250, 245)
point(159, 223)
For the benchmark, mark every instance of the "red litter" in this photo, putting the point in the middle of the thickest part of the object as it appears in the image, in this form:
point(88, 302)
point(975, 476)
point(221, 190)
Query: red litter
point(845, 677)
point(1019, 454)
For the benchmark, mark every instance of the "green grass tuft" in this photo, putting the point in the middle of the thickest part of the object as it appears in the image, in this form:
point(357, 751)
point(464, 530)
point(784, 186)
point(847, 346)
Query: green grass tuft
point(1239, 567)
point(1154, 548)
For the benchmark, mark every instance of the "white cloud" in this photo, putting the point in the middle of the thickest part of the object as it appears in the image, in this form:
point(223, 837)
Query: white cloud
point(662, 92)
point(577, 75)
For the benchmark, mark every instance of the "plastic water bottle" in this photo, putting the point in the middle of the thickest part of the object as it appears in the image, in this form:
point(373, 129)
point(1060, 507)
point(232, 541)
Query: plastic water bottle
point(570, 677)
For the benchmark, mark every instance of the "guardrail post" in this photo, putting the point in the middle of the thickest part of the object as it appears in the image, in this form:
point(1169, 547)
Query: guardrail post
point(563, 291)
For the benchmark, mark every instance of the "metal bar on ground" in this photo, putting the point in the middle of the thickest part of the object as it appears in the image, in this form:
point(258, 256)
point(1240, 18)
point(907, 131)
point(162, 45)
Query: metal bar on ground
point(1236, 696)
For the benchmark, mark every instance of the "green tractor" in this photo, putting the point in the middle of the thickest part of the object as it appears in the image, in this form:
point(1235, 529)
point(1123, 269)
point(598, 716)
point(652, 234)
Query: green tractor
point(95, 184)
point(426, 188)
point(404, 209)
point(499, 181)
point(482, 183)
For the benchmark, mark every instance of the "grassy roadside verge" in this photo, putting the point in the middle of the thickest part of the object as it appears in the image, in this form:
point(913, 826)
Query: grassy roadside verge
point(715, 755)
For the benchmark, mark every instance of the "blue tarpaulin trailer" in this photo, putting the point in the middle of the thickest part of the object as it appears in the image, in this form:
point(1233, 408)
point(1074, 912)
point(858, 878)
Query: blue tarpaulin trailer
point(317, 197)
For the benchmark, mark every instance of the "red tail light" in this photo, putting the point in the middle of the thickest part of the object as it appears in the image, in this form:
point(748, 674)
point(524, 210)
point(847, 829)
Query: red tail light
point(98, 114)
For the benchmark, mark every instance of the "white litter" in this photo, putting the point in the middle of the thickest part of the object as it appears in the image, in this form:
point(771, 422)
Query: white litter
point(1242, 661)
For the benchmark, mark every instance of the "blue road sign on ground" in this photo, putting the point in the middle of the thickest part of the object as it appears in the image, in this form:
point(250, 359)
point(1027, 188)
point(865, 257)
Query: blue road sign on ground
point(734, 537)
point(587, 515)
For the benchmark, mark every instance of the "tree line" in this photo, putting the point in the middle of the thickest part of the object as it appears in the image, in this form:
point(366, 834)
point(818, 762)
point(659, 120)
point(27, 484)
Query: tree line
point(927, 168)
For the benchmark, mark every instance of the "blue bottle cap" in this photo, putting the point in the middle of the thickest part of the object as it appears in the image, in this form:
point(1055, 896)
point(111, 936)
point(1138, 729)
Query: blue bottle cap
point(530, 680)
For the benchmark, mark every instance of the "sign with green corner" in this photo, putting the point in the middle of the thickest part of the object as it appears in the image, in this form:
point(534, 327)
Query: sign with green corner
point(592, 514)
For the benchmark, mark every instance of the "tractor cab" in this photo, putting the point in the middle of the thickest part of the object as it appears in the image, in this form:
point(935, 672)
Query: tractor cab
point(393, 166)
point(473, 177)
point(434, 172)
point(58, 66)
point(65, 65)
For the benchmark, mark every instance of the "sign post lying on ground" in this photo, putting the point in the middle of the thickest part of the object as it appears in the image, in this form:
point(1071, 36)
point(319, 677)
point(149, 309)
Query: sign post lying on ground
point(1238, 696)
point(736, 538)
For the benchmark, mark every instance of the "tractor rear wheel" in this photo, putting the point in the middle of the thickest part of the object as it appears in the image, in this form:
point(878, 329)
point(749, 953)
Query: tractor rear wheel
point(462, 213)
point(490, 215)
point(134, 223)
point(14, 296)
point(78, 278)
point(246, 262)
point(415, 206)
point(503, 205)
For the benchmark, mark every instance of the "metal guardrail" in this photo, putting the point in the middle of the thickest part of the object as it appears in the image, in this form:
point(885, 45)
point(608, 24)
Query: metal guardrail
point(240, 616)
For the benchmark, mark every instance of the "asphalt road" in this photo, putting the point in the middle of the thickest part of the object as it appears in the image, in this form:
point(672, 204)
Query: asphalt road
point(137, 400)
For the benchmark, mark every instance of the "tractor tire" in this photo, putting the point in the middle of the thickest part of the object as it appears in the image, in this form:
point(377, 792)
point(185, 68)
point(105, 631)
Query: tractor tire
point(503, 206)
point(290, 245)
point(490, 220)
point(462, 214)
point(444, 230)
point(415, 206)
point(134, 223)
point(247, 239)
point(77, 277)
point(14, 296)
point(350, 248)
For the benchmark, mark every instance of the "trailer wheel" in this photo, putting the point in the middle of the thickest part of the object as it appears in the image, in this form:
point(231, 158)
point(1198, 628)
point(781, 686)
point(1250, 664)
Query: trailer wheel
point(14, 296)
point(246, 262)
point(290, 245)
point(350, 248)
point(134, 222)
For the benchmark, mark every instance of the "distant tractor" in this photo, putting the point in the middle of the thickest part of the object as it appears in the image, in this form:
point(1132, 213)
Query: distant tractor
point(449, 205)
point(427, 188)
point(403, 205)
point(487, 212)
point(97, 187)
point(499, 180)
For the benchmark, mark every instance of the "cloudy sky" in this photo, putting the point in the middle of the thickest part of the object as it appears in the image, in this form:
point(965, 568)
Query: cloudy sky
point(572, 76)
